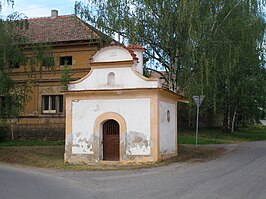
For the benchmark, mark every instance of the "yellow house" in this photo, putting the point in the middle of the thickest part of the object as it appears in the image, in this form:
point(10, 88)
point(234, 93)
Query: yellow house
point(116, 114)
point(72, 41)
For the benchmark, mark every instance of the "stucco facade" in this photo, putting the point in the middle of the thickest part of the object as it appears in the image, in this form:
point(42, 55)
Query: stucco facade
point(115, 91)
point(70, 39)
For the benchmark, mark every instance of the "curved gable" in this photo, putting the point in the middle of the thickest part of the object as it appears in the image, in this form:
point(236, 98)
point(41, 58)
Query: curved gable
point(112, 54)
point(114, 78)
point(113, 67)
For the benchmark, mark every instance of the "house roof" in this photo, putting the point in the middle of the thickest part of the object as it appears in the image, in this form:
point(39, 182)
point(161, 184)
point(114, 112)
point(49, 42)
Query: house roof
point(59, 29)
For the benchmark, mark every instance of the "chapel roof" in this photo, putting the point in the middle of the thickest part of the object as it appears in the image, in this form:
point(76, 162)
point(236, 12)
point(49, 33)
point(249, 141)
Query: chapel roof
point(134, 47)
point(130, 49)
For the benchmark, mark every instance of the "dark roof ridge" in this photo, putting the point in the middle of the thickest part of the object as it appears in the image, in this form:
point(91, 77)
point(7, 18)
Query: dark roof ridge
point(87, 26)
point(47, 18)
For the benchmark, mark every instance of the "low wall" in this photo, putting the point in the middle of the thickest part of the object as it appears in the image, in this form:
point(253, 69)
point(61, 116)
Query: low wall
point(50, 128)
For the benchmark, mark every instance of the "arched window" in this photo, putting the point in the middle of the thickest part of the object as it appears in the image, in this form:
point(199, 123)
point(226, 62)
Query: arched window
point(111, 79)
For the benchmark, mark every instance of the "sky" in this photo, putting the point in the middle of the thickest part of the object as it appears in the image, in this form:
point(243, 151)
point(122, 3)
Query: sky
point(39, 8)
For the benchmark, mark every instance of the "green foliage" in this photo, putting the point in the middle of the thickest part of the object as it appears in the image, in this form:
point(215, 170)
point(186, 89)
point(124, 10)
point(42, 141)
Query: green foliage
point(211, 48)
point(164, 27)
point(231, 72)
point(14, 95)
point(11, 51)
point(42, 56)
point(65, 76)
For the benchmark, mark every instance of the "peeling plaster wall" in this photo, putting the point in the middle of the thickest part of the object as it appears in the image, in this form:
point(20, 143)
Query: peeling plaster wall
point(137, 144)
point(167, 128)
point(124, 78)
point(81, 136)
point(136, 113)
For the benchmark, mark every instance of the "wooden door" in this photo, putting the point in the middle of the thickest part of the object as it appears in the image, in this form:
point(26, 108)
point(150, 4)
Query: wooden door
point(111, 141)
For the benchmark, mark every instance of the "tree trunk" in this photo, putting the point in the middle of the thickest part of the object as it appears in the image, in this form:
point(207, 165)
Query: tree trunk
point(233, 122)
point(226, 120)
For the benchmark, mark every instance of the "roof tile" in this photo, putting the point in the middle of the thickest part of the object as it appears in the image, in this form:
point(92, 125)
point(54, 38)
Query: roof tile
point(59, 29)
point(132, 47)
point(132, 53)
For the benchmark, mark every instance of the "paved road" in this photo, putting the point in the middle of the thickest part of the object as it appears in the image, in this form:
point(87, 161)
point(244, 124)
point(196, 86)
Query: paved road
point(240, 174)
point(19, 183)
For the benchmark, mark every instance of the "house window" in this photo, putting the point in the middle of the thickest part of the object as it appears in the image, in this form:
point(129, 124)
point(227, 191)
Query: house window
point(52, 104)
point(66, 60)
point(48, 62)
point(16, 65)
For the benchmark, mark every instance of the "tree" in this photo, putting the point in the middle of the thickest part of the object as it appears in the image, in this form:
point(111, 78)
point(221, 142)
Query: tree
point(232, 63)
point(206, 47)
point(65, 76)
point(13, 95)
point(165, 28)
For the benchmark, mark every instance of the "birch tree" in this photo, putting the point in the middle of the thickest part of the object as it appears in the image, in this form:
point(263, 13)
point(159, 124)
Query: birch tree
point(207, 47)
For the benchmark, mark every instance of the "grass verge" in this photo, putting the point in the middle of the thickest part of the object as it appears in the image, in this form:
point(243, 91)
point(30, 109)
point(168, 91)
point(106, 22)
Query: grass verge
point(49, 154)
point(217, 136)
point(31, 143)
point(52, 157)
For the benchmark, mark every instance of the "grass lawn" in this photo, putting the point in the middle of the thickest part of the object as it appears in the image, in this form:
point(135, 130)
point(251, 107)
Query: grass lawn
point(217, 136)
point(50, 154)
point(52, 157)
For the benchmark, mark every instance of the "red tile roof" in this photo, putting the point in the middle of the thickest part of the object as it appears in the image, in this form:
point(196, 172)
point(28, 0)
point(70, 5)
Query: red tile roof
point(60, 29)
point(136, 47)
point(134, 56)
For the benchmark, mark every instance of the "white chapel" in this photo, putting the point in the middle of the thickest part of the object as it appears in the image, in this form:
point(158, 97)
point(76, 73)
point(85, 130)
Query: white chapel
point(116, 114)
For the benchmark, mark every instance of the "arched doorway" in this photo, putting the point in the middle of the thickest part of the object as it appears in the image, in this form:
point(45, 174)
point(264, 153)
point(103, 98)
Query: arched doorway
point(111, 141)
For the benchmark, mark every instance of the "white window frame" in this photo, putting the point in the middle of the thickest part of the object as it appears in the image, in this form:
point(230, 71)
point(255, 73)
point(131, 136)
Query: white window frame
point(50, 110)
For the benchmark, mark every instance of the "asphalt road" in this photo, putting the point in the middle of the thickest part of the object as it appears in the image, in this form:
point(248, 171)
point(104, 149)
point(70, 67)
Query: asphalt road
point(239, 174)
point(19, 183)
